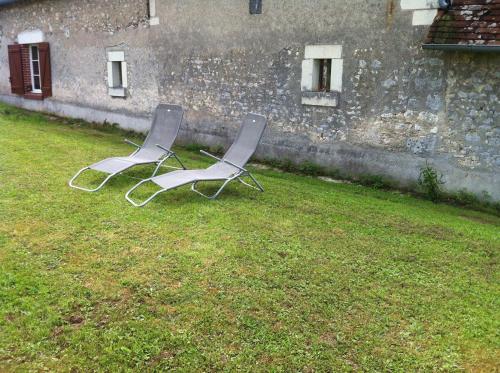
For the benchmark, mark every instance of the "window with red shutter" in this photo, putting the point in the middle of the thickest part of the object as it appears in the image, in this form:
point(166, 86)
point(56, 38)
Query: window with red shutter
point(45, 69)
point(30, 70)
point(16, 69)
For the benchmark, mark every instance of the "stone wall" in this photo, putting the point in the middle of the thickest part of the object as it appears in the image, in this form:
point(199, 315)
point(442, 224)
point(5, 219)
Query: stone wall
point(400, 106)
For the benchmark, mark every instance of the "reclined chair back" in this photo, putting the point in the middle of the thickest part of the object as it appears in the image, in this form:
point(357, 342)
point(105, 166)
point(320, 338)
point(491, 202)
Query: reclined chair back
point(247, 140)
point(167, 121)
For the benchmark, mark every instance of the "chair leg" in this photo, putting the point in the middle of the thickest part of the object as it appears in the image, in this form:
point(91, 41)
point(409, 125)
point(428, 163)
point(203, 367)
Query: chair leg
point(178, 160)
point(158, 166)
point(160, 163)
point(145, 202)
point(214, 196)
point(72, 185)
point(259, 186)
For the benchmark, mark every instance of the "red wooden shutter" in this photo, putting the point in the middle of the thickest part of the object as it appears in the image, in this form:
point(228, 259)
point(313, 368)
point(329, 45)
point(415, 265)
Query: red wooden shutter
point(16, 69)
point(45, 69)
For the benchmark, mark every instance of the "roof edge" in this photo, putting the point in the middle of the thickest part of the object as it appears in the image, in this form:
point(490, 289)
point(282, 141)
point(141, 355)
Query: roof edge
point(464, 47)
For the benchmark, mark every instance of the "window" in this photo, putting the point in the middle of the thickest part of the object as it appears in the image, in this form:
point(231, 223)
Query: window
point(117, 74)
point(153, 18)
point(35, 69)
point(30, 70)
point(322, 71)
point(424, 12)
point(255, 6)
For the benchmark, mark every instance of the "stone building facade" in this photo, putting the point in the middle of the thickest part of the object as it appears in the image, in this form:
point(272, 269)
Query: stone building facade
point(344, 84)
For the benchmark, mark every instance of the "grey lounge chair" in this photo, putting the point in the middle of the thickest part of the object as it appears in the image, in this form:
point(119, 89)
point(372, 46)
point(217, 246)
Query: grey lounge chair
point(156, 148)
point(227, 169)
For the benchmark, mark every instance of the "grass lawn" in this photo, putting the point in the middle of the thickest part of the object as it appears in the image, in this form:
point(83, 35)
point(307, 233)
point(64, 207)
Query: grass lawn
point(308, 276)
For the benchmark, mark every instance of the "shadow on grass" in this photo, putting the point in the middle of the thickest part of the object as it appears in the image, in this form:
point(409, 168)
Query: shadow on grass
point(183, 194)
point(123, 182)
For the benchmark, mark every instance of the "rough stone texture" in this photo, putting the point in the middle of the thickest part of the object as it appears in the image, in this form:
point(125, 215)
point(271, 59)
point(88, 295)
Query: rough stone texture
point(400, 106)
point(67, 17)
point(471, 133)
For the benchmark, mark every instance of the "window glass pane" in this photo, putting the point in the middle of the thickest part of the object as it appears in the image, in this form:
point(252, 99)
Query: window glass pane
point(117, 74)
point(36, 69)
point(325, 72)
point(36, 82)
point(34, 52)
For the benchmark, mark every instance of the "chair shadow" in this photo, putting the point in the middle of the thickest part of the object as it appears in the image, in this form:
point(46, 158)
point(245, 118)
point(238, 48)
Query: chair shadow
point(183, 194)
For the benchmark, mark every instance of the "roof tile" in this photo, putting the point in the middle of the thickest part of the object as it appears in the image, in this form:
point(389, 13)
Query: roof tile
point(469, 22)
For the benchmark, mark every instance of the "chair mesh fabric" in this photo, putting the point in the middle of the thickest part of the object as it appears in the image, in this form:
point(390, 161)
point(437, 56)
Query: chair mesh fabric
point(164, 129)
point(166, 124)
point(174, 179)
point(247, 140)
point(112, 165)
point(239, 153)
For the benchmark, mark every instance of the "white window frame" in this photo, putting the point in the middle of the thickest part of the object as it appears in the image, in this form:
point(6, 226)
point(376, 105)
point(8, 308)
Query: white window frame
point(114, 90)
point(154, 20)
point(32, 72)
point(310, 75)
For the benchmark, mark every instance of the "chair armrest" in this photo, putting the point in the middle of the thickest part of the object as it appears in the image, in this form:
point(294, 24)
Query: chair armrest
point(223, 160)
point(165, 149)
point(132, 143)
point(211, 155)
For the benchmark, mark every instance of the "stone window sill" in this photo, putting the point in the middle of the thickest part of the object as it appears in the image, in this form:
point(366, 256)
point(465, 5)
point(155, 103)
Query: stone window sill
point(329, 99)
point(117, 92)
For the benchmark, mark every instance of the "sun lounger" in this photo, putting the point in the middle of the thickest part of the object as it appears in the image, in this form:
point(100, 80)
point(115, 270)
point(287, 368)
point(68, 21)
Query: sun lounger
point(228, 168)
point(156, 148)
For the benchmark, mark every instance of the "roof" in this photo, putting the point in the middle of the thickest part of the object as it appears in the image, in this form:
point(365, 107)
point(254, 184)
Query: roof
point(5, 2)
point(467, 24)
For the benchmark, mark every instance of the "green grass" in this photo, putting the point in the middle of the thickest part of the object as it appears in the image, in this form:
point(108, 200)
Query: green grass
point(308, 276)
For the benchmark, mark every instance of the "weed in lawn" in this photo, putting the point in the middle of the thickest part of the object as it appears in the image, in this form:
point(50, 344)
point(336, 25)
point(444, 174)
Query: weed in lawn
point(430, 180)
